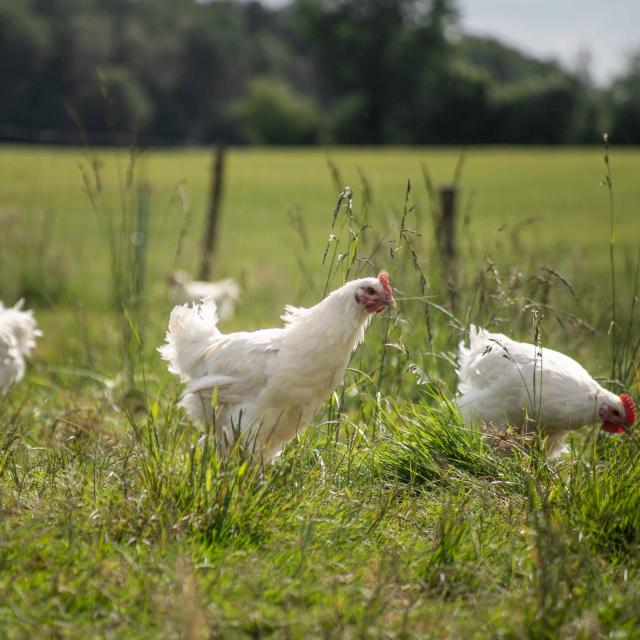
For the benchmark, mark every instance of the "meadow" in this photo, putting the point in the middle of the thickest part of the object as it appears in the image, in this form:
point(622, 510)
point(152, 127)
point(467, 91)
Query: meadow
point(388, 518)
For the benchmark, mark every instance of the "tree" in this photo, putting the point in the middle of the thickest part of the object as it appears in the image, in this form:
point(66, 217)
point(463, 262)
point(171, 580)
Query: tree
point(625, 104)
point(24, 38)
point(372, 56)
point(114, 102)
point(526, 100)
point(271, 113)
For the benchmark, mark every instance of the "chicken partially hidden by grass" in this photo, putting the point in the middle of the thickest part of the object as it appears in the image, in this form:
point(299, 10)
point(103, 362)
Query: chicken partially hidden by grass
point(268, 384)
point(225, 293)
point(504, 382)
point(18, 334)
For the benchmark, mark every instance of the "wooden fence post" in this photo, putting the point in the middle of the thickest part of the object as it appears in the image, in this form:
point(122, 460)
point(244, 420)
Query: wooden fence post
point(447, 222)
point(213, 213)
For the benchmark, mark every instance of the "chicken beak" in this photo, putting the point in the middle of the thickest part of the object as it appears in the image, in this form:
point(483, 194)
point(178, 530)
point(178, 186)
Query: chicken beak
point(388, 301)
point(385, 302)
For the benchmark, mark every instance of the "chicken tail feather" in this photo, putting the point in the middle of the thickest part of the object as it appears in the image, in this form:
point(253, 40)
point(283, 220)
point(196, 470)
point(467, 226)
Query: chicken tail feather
point(191, 329)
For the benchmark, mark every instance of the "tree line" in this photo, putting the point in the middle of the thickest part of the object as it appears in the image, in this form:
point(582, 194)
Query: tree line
point(313, 71)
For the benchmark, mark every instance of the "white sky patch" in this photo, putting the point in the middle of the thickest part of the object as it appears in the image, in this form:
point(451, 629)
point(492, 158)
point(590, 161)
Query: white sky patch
point(609, 30)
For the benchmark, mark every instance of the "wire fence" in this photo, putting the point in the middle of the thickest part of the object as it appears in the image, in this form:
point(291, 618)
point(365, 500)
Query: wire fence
point(12, 133)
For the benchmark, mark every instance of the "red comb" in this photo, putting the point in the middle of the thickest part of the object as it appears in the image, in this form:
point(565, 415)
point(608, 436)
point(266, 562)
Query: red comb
point(383, 277)
point(630, 413)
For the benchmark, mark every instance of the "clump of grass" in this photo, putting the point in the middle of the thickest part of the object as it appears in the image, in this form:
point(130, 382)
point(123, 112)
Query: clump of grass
point(429, 442)
point(9, 440)
point(550, 571)
point(448, 569)
point(601, 496)
point(190, 488)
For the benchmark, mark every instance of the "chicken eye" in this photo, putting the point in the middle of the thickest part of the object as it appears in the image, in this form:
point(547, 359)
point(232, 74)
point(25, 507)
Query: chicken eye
point(371, 291)
point(616, 413)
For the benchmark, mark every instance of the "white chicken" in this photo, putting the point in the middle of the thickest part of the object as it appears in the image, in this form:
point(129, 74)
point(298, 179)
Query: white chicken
point(225, 293)
point(269, 383)
point(18, 334)
point(501, 381)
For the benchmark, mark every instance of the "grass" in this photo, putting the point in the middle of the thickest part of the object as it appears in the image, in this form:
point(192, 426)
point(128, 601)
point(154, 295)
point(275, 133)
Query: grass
point(390, 518)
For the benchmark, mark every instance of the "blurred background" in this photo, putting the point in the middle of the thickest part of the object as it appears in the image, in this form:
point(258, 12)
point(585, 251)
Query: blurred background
point(174, 72)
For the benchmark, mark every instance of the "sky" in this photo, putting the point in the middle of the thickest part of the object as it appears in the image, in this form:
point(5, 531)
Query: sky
point(609, 30)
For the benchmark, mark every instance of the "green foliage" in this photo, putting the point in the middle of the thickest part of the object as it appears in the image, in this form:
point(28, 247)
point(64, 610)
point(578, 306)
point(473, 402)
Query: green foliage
point(602, 496)
point(271, 113)
point(503, 64)
point(541, 110)
point(220, 503)
point(24, 36)
point(375, 55)
point(625, 104)
point(429, 443)
point(114, 100)
point(461, 107)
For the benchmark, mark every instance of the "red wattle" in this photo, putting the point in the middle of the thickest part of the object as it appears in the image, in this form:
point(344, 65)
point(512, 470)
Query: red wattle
point(611, 428)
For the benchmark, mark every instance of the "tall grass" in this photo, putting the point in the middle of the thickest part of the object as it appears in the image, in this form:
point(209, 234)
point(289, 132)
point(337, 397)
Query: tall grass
point(187, 487)
point(389, 517)
point(125, 227)
point(624, 332)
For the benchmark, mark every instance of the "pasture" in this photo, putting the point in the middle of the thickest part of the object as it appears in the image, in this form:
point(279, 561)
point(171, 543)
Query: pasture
point(386, 519)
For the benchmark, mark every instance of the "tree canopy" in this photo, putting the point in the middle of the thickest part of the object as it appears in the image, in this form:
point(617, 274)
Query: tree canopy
point(341, 71)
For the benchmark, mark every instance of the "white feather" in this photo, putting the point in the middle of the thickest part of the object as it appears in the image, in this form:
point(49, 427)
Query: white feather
point(18, 332)
point(501, 381)
point(269, 382)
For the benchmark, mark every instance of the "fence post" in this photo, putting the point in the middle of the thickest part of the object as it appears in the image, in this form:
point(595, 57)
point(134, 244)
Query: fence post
point(213, 213)
point(447, 222)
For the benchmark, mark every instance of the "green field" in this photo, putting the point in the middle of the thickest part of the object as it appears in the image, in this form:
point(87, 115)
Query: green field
point(388, 518)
